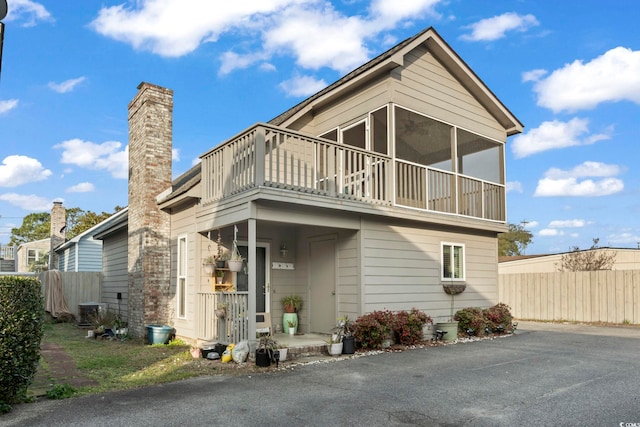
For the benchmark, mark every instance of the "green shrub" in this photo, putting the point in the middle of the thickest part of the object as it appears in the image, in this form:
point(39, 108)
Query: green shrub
point(373, 328)
point(471, 318)
point(405, 327)
point(61, 391)
point(21, 320)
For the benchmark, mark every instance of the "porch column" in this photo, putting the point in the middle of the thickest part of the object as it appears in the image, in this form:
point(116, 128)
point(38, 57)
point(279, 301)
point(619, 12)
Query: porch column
point(251, 262)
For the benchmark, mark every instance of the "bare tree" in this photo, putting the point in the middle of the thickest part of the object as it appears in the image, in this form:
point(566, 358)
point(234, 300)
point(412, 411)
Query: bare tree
point(592, 259)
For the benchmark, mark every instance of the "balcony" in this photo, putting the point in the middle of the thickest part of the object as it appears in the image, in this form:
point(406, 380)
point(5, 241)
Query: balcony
point(269, 156)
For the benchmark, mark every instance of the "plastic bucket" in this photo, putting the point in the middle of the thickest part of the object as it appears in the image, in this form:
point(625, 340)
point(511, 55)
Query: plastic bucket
point(158, 334)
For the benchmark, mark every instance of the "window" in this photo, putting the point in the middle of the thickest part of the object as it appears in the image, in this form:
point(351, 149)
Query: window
point(32, 256)
point(453, 261)
point(182, 277)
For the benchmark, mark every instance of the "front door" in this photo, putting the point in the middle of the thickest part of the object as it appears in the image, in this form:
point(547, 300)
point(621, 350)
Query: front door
point(322, 285)
point(262, 294)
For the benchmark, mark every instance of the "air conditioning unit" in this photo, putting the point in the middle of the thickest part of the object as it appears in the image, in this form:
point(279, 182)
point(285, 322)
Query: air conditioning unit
point(86, 311)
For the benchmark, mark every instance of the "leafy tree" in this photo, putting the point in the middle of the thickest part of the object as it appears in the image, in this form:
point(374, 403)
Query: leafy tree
point(37, 226)
point(514, 241)
point(592, 259)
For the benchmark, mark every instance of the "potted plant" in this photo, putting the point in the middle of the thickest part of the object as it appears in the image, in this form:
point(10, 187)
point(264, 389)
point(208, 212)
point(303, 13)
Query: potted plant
point(219, 276)
point(291, 305)
point(209, 264)
point(283, 351)
point(235, 260)
point(221, 310)
point(292, 327)
point(264, 353)
point(450, 327)
point(346, 329)
point(221, 258)
point(334, 345)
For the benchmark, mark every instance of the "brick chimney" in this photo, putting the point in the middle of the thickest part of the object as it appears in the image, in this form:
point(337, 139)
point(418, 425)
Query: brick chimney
point(58, 232)
point(150, 140)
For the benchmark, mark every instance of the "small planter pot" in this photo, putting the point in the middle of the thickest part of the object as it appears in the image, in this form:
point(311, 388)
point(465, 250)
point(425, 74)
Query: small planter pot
point(220, 263)
point(220, 314)
point(348, 345)
point(283, 354)
point(158, 334)
point(208, 268)
point(263, 358)
point(292, 331)
point(234, 265)
point(335, 349)
point(451, 329)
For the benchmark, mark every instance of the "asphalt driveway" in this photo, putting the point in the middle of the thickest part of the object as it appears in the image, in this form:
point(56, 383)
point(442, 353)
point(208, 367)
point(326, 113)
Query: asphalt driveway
point(544, 375)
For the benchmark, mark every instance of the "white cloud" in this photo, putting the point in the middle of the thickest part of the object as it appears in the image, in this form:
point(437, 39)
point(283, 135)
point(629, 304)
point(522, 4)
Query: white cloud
point(27, 12)
point(392, 11)
point(559, 182)
point(556, 134)
point(495, 27)
point(232, 61)
point(614, 76)
point(319, 37)
point(533, 75)
point(175, 154)
point(8, 105)
point(624, 238)
point(568, 223)
point(530, 224)
point(106, 156)
point(29, 202)
point(302, 86)
point(196, 161)
point(177, 27)
point(514, 186)
point(18, 170)
point(83, 187)
point(587, 168)
point(312, 31)
point(550, 232)
point(66, 86)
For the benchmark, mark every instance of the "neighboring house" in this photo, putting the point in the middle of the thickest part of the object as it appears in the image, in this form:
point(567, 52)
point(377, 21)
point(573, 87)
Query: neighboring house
point(625, 259)
point(115, 282)
point(32, 253)
point(81, 253)
point(370, 194)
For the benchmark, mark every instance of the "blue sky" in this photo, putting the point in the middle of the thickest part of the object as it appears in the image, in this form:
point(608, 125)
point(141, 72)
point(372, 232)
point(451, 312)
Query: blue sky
point(569, 70)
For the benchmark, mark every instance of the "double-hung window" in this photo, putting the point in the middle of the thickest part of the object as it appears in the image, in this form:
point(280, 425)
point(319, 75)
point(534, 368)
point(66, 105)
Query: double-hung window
point(182, 277)
point(453, 267)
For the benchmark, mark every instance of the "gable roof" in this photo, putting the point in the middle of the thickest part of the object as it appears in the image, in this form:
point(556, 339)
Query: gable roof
point(393, 58)
point(114, 223)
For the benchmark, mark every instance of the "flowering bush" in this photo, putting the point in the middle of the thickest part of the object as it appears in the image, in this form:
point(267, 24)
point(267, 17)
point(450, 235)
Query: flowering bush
point(406, 327)
point(471, 318)
point(499, 315)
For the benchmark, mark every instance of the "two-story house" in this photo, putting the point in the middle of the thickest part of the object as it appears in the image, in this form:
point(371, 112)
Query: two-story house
point(370, 194)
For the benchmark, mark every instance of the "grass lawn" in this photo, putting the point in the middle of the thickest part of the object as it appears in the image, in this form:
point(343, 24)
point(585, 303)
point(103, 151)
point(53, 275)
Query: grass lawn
point(120, 365)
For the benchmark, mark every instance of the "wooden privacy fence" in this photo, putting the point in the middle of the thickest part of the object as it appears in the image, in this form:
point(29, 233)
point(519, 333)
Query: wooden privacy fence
point(79, 287)
point(611, 296)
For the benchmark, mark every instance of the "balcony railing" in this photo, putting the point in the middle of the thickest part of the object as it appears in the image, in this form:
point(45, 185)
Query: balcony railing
point(270, 156)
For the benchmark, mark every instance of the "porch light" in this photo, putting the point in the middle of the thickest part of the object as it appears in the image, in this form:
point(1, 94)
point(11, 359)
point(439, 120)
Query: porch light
point(283, 250)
